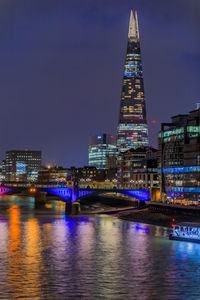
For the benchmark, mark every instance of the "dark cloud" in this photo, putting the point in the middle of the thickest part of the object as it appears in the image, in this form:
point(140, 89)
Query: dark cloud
point(62, 64)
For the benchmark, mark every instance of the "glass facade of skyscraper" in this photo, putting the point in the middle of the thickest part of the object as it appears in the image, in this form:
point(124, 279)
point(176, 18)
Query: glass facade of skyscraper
point(101, 147)
point(132, 127)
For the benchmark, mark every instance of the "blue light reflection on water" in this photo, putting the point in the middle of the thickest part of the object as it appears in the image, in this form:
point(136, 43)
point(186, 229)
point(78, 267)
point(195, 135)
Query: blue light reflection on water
point(143, 228)
point(92, 257)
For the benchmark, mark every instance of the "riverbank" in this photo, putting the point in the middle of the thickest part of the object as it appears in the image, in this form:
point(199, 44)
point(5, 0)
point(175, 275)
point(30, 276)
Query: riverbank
point(155, 218)
point(127, 209)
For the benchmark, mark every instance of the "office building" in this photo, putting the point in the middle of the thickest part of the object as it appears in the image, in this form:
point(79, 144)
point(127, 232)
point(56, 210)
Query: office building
point(102, 148)
point(22, 165)
point(52, 175)
point(87, 173)
point(137, 169)
point(179, 159)
point(132, 126)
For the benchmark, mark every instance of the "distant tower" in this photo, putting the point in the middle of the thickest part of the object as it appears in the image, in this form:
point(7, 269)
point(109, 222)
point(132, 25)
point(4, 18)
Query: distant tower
point(132, 127)
point(101, 147)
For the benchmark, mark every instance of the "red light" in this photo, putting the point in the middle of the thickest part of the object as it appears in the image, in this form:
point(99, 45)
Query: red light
point(173, 225)
point(173, 220)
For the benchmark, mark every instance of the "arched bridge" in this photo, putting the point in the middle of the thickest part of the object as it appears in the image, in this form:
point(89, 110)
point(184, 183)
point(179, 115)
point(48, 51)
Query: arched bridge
point(74, 195)
point(71, 194)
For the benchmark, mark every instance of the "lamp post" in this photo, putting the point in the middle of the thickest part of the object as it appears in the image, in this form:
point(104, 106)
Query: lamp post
point(131, 183)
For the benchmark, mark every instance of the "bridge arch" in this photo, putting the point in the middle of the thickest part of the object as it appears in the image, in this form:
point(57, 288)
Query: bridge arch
point(142, 195)
point(62, 192)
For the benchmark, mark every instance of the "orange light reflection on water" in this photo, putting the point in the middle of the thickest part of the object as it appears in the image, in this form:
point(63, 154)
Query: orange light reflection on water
point(32, 259)
point(14, 233)
point(24, 257)
point(14, 251)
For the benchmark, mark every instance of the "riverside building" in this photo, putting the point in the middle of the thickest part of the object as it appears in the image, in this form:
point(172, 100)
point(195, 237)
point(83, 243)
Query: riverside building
point(137, 169)
point(52, 175)
point(102, 148)
point(87, 173)
point(22, 165)
point(179, 159)
point(132, 126)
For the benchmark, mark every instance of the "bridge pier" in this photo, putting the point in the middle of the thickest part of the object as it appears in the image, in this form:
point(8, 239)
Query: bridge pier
point(75, 193)
point(40, 199)
point(72, 208)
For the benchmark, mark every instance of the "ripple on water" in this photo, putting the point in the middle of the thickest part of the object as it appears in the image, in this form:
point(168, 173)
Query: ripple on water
point(45, 255)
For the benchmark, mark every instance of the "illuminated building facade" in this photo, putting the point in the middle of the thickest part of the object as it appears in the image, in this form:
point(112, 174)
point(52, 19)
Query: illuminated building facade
point(132, 127)
point(137, 169)
point(52, 175)
point(179, 158)
point(22, 165)
point(87, 173)
point(101, 147)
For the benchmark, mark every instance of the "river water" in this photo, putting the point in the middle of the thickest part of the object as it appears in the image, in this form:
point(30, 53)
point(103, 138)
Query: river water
point(46, 255)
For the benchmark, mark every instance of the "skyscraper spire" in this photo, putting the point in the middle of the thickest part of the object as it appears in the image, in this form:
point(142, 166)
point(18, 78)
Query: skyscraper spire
point(137, 26)
point(132, 29)
point(133, 26)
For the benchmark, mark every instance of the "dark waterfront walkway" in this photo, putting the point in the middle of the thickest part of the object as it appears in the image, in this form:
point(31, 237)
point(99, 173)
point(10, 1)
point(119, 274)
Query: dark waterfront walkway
point(178, 208)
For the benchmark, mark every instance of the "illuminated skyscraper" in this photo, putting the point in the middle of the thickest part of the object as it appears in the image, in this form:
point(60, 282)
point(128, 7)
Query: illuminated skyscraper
point(132, 127)
point(101, 148)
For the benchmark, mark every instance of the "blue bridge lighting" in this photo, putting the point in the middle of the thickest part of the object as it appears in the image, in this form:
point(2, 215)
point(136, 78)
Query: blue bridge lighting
point(4, 190)
point(71, 195)
point(64, 193)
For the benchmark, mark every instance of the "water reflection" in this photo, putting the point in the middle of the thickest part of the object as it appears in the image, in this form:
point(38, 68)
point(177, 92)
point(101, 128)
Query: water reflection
point(45, 255)
point(15, 256)
point(32, 258)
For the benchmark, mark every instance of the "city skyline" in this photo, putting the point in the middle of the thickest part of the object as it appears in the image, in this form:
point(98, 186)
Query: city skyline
point(93, 207)
point(47, 106)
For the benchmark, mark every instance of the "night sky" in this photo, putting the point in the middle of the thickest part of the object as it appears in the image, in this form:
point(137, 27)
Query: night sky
point(61, 68)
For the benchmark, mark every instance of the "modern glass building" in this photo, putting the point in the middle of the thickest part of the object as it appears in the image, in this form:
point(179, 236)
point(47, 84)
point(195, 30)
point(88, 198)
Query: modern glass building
point(179, 156)
point(101, 147)
point(22, 165)
point(132, 127)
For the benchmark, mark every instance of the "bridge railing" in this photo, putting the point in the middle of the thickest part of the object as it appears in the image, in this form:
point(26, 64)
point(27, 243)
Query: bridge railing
point(28, 185)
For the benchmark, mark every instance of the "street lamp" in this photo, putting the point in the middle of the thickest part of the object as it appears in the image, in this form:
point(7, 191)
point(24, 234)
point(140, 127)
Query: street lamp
point(131, 183)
